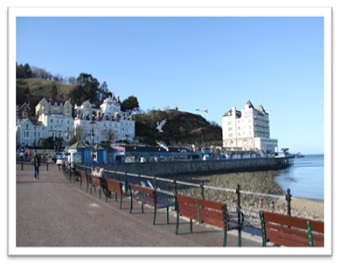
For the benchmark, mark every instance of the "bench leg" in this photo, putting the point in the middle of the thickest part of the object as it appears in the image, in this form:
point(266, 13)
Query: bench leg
point(177, 222)
point(239, 237)
point(167, 215)
point(154, 215)
point(121, 200)
point(225, 237)
point(131, 204)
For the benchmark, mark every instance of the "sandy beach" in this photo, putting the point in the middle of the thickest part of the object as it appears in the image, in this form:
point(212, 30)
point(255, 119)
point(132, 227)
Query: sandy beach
point(253, 185)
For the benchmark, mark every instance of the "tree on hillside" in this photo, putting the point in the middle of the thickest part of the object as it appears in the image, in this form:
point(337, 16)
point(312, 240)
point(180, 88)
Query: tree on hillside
point(130, 104)
point(24, 71)
point(103, 92)
point(54, 91)
point(40, 73)
point(89, 86)
point(72, 80)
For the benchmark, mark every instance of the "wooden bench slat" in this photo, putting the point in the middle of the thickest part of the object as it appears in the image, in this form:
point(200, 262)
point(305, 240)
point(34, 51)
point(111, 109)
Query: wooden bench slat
point(204, 211)
point(147, 195)
point(116, 187)
point(295, 238)
point(285, 242)
point(291, 231)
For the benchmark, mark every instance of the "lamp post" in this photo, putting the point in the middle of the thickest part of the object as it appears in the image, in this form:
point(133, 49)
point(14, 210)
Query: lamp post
point(93, 122)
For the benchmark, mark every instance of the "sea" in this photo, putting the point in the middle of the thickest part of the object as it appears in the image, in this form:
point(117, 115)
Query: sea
point(305, 178)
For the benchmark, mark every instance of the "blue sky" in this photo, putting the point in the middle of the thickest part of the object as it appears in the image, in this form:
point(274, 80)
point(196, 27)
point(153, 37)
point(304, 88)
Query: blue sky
point(195, 62)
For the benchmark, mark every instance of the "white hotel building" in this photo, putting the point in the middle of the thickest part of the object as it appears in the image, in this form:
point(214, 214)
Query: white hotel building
point(247, 129)
point(109, 125)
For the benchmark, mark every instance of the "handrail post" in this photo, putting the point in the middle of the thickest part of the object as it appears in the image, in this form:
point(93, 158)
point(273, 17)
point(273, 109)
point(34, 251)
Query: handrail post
point(202, 189)
point(288, 199)
point(155, 183)
point(175, 184)
point(238, 192)
point(139, 179)
point(126, 184)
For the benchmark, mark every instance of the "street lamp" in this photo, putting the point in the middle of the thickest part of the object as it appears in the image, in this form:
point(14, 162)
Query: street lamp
point(93, 122)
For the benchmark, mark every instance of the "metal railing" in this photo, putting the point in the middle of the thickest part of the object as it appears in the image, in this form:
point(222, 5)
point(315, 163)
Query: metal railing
point(171, 187)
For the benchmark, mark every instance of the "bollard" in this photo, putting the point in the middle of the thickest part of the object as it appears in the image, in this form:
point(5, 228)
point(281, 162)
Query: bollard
point(202, 189)
point(288, 199)
point(238, 189)
point(22, 164)
point(46, 166)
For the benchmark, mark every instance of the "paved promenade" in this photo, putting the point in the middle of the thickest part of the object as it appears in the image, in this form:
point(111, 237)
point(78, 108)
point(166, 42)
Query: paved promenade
point(52, 212)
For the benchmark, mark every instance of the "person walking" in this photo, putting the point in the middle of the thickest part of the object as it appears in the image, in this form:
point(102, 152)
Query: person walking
point(36, 164)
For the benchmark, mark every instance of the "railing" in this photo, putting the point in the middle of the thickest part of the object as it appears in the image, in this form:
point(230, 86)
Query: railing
point(170, 187)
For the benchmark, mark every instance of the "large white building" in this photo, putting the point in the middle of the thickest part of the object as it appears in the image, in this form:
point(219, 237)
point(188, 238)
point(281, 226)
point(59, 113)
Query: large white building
point(247, 129)
point(55, 120)
point(109, 124)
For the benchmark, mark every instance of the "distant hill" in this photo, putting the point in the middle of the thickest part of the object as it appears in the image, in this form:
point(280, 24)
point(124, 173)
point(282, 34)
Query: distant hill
point(33, 90)
point(181, 128)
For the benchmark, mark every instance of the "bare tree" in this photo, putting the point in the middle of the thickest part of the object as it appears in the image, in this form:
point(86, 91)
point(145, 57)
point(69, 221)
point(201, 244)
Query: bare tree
point(80, 134)
point(109, 135)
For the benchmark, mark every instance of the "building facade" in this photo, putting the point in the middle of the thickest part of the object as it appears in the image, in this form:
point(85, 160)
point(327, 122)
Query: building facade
point(29, 133)
point(56, 120)
point(109, 124)
point(247, 129)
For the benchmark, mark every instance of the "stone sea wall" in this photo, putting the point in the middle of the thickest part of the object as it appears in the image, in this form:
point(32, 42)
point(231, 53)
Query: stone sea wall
point(169, 168)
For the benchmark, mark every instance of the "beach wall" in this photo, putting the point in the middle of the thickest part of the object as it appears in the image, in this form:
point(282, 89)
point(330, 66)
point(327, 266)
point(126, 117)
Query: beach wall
point(200, 166)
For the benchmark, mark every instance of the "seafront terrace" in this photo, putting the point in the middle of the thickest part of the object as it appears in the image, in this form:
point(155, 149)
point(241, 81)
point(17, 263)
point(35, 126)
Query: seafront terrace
point(55, 212)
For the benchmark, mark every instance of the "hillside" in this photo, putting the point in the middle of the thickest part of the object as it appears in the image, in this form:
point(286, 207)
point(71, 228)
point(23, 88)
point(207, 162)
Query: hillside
point(181, 128)
point(33, 90)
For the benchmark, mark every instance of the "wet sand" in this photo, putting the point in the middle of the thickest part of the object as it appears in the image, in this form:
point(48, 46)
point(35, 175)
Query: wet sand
point(254, 185)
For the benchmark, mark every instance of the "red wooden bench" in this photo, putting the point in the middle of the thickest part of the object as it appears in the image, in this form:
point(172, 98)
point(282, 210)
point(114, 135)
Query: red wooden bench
point(149, 196)
point(96, 183)
point(291, 231)
point(207, 212)
point(116, 187)
point(83, 179)
point(186, 206)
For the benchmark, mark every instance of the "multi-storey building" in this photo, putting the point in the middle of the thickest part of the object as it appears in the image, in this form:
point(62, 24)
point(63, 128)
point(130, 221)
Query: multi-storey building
point(53, 120)
point(108, 124)
point(29, 132)
point(23, 111)
point(247, 129)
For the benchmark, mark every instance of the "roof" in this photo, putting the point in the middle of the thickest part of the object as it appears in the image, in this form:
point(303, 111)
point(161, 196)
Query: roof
point(79, 145)
point(250, 105)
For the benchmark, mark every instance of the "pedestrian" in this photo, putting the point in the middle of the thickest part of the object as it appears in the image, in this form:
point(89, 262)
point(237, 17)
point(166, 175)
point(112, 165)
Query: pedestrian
point(261, 202)
point(36, 164)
